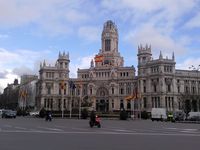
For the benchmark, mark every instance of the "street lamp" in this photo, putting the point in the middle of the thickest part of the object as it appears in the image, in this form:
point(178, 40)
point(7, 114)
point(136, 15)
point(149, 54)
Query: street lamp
point(62, 87)
point(72, 87)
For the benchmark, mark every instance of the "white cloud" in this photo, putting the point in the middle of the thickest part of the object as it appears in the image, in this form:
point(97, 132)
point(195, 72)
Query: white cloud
point(15, 58)
point(3, 74)
point(15, 63)
point(89, 33)
point(51, 16)
point(186, 65)
point(8, 79)
point(171, 8)
point(159, 40)
point(82, 63)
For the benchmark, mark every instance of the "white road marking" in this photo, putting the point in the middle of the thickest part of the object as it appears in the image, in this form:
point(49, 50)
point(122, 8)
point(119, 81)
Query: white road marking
point(107, 133)
point(121, 130)
point(82, 129)
point(190, 129)
point(60, 126)
point(7, 125)
point(171, 128)
point(54, 129)
point(20, 128)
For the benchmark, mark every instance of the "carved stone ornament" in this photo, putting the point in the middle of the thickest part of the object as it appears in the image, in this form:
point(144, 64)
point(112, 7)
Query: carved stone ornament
point(168, 81)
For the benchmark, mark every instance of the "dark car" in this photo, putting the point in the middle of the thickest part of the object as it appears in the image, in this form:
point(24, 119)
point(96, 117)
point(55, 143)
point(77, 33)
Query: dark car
point(9, 114)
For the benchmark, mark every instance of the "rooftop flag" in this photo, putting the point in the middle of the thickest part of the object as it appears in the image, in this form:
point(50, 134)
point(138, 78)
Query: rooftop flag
point(98, 58)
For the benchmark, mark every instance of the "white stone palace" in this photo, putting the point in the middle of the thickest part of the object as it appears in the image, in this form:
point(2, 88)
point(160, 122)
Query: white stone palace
point(107, 84)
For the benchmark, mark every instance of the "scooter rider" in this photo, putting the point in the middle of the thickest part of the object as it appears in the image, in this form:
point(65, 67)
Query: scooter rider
point(92, 116)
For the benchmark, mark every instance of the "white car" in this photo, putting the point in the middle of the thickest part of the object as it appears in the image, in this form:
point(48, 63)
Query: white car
point(34, 113)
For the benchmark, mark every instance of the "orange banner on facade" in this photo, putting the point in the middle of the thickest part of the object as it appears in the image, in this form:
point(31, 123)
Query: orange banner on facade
point(135, 96)
point(98, 58)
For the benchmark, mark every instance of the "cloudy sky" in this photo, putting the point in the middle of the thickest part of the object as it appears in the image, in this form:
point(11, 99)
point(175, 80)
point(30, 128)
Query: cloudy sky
point(34, 30)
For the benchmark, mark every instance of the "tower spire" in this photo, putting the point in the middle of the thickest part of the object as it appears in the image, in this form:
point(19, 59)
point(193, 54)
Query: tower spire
point(173, 57)
point(161, 56)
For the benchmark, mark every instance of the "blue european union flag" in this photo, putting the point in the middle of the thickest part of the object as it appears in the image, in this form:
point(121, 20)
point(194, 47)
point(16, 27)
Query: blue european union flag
point(72, 85)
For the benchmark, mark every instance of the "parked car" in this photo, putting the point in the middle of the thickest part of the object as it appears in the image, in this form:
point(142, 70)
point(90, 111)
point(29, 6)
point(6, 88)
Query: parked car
point(35, 113)
point(179, 116)
point(1, 112)
point(194, 116)
point(9, 114)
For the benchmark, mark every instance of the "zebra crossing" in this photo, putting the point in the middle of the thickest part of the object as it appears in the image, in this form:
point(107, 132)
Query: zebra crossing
point(104, 130)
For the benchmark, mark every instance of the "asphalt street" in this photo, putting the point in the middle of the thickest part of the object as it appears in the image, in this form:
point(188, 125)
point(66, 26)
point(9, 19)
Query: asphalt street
point(71, 134)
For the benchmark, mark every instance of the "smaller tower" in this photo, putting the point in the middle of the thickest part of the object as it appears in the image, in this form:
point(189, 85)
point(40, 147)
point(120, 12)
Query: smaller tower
point(63, 63)
point(92, 64)
point(144, 54)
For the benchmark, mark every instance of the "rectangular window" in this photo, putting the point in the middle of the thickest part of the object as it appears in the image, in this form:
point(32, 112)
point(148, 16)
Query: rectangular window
point(112, 103)
point(121, 91)
point(45, 103)
point(65, 92)
point(51, 103)
point(64, 103)
point(113, 90)
point(155, 90)
point(107, 44)
point(145, 102)
point(48, 103)
point(59, 104)
point(152, 102)
point(158, 102)
point(169, 102)
point(49, 90)
point(169, 88)
point(144, 89)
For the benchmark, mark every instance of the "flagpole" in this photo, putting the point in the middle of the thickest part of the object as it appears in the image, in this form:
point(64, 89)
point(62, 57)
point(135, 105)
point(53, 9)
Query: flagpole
point(80, 102)
point(70, 105)
point(62, 102)
point(133, 108)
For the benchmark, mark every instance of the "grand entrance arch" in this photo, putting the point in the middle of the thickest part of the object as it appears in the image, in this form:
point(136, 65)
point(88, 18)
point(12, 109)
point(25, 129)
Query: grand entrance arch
point(102, 103)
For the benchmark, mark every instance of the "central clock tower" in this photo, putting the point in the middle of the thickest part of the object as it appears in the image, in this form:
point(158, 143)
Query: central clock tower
point(108, 54)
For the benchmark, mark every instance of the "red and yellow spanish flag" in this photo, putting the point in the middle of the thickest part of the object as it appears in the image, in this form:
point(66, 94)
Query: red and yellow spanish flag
point(98, 58)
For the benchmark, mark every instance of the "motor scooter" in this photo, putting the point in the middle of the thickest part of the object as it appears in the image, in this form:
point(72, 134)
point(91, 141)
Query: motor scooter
point(48, 117)
point(96, 123)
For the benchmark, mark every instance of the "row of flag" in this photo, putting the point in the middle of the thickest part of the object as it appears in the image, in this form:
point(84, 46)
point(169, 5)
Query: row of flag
point(71, 85)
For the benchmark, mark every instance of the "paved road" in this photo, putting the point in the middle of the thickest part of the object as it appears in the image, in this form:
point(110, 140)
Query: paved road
point(70, 134)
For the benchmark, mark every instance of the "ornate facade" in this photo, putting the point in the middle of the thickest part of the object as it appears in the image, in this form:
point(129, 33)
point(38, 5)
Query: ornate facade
point(108, 83)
